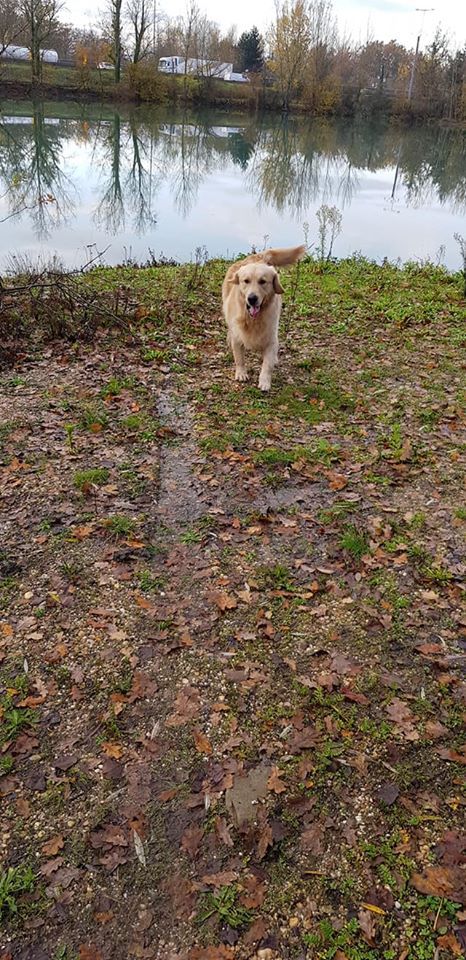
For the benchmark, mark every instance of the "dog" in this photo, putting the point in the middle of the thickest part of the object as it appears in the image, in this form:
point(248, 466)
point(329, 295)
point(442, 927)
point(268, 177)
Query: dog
point(252, 303)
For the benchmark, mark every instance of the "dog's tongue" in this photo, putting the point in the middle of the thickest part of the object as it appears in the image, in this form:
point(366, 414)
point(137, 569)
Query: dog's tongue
point(254, 311)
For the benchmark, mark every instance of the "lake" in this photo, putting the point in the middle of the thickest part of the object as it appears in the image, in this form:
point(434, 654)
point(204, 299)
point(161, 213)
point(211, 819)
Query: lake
point(77, 180)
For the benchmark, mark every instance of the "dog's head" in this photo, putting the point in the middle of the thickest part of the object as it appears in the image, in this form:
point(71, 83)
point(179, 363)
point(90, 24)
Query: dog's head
point(258, 283)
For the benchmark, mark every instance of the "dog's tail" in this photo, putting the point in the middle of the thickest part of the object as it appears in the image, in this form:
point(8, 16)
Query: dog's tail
point(284, 257)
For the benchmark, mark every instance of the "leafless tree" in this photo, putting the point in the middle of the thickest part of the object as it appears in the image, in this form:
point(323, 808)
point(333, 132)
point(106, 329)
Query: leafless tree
point(12, 24)
point(41, 18)
point(139, 16)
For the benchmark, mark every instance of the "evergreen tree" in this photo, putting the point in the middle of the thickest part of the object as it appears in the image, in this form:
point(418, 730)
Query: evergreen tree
point(251, 51)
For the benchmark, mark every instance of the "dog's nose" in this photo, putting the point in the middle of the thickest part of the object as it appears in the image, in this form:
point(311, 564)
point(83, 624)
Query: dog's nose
point(252, 299)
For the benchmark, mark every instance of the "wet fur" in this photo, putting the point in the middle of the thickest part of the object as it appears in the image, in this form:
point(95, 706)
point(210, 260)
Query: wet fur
point(256, 274)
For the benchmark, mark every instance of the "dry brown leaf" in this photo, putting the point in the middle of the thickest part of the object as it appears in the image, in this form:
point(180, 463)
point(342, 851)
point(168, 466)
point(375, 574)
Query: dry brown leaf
point(224, 601)
point(368, 925)
point(113, 750)
point(191, 840)
point(51, 848)
point(222, 879)
point(223, 832)
point(203, 745)
point(453, 755)
point(89, 952)
point(449, 942)
point(274, 783)
point(449, 882)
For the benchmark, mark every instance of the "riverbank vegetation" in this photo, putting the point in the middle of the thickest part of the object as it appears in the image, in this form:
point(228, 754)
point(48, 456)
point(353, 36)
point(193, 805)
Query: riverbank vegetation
point(302, 63)
point(231, 639)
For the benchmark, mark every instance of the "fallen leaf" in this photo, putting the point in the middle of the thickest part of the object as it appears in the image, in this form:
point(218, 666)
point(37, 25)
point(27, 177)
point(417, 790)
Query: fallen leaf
point(368, 926)
point(203, 745)
point(191, 840)
point(449, 942)
point(225, 602)
point(388, 793)
point(139, 848)
point(449, 882)
point(113, 750)
point(52, 846)
point(223, 832)
point(218, 880)
point(265, 841)
point(453, 755)
point(274, 783)
point(89, 952)
point(211, 953)
point(373, 908)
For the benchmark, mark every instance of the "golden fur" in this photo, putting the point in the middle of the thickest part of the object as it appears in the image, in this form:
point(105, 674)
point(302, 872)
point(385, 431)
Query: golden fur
point(252, 303)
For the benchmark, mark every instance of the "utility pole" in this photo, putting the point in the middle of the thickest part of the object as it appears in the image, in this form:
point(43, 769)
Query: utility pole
point(422, 10)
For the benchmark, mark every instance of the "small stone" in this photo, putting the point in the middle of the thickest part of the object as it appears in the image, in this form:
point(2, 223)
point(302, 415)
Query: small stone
point(294, 922)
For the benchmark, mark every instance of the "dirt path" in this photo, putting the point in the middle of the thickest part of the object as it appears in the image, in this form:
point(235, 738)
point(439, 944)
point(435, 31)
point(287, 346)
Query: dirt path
point(232, 643)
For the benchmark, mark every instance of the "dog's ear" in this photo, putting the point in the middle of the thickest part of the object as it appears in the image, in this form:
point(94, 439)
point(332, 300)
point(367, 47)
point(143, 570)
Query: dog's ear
point(276, 284)
point(234, 278)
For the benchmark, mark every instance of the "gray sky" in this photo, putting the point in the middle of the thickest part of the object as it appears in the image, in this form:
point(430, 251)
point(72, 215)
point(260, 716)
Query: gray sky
point(380, 19)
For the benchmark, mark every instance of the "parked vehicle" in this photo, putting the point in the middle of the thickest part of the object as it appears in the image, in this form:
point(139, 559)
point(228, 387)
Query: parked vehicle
point(12, 52)
point(196, 67)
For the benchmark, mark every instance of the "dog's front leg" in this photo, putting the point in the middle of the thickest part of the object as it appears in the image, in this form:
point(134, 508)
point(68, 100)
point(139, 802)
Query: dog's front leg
point(238, 352)
point(269, 360)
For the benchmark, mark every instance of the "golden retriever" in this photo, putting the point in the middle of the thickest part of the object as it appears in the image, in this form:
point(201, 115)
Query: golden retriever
point(252, 303)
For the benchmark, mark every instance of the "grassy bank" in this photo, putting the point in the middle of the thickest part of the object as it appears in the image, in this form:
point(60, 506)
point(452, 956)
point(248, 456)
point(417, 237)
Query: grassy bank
point(232, 699)
point(140, 83)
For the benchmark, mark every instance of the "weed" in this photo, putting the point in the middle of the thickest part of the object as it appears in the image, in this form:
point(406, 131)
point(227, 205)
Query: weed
point(6, 763)
point(120, 526)
point(97, 476)
point(92, 415)
point(148, 582)
point(460, 513)
point(69, 429)
point(225, 906)
point(14, 882)
point(114, 387)
point(13, 721)
point(354, 541)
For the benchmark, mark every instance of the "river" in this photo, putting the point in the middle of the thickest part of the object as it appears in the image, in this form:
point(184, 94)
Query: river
point(80, 180)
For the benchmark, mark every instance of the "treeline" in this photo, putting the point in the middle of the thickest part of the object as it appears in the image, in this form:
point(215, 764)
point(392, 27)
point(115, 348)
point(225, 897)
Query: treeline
point(302, 61)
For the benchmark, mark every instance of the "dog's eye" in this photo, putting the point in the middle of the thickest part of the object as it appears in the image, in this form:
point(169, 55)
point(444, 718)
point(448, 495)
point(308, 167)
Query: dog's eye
point(262, 282)
point(245, 280)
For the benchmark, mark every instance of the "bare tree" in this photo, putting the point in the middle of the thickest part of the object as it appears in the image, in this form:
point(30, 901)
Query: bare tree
point(12, 24)
point(139, 16)
point(110, 26)
point(41, 19)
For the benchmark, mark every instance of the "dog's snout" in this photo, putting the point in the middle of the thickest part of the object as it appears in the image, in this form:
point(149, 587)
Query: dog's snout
point(252, 299)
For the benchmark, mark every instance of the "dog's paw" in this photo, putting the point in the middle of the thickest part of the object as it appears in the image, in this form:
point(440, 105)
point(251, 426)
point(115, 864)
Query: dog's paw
point(241, 375)
point(264, 384)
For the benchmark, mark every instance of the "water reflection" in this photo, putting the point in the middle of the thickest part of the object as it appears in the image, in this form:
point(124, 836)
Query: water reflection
point(31, 170)
point(287, 165)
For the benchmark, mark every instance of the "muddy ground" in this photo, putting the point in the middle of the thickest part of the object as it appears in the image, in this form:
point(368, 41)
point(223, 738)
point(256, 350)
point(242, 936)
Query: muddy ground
point(232, 641)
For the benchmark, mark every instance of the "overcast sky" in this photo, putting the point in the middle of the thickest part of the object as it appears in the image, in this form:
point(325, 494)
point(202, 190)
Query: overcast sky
point(379, 19)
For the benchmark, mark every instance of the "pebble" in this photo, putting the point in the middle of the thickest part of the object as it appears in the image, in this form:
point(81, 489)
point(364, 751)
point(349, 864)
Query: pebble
point(293, 922)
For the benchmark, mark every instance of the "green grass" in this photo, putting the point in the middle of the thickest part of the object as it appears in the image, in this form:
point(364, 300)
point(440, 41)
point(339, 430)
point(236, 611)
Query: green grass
point(320, 452)
point(120, 526)
point(353, 541)
point(14, 882)
point(92, 415)
point(14, 721)
point(94, 476)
